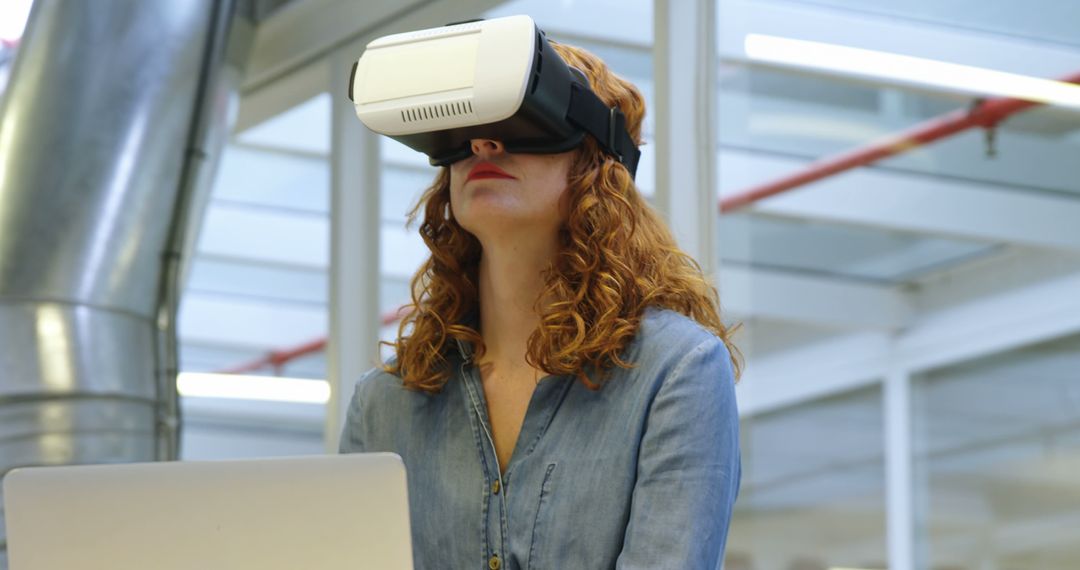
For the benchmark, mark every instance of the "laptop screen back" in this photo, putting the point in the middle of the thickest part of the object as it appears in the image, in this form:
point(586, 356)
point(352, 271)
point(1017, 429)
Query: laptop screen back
point(326, 512)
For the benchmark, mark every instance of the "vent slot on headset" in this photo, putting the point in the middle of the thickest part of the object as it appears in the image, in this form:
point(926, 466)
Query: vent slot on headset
point(442, 110)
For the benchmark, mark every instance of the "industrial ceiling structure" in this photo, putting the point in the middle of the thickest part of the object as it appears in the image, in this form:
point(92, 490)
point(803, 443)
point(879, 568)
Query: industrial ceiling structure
point(911, 326)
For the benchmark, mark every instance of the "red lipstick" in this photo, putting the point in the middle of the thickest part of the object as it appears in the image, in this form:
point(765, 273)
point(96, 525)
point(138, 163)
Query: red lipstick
point(484, 169)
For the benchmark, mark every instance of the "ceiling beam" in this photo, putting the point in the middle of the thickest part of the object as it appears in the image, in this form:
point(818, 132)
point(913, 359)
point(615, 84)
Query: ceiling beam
point(878, 32)
point(789, 296)
point(306, 32)
point(980, 327)
point(886, 199)
point(737, 18)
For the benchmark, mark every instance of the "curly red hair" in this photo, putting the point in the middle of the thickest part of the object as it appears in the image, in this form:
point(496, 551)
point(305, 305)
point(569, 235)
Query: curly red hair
point(616, 258)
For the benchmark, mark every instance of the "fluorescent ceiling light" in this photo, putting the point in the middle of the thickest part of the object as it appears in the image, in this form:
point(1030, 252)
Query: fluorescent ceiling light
point(265, 388)
point(913, 70)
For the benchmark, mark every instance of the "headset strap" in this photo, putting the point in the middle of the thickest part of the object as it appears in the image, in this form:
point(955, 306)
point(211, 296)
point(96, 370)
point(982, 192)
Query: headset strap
point(607, 125)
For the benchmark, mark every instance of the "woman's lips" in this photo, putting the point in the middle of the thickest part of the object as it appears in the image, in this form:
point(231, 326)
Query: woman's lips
point(481, 175)
point(486, 170)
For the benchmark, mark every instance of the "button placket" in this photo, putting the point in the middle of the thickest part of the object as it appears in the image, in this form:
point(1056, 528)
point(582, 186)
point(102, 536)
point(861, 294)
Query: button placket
point(498, 511)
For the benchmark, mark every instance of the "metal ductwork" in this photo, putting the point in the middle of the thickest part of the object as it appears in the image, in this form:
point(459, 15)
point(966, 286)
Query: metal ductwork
point(110, 127)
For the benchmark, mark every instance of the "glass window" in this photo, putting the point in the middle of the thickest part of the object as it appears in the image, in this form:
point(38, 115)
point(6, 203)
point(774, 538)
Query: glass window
point(258, 283)
point(997, 459)
point(812, 495)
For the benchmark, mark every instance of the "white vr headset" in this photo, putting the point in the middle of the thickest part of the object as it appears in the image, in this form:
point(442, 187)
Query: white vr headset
point(434, 90)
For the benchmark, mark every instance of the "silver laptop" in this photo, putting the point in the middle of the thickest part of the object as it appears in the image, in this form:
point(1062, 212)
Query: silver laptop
point(325, 512)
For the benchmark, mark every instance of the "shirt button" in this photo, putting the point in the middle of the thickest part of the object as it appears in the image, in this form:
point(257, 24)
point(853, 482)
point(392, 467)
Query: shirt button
point(495, 487)
point(493, 562)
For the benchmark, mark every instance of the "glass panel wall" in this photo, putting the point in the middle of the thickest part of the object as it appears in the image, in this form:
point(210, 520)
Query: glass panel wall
point(932, 238)
point(997, 456)
point(258, 284)
point(812, 494)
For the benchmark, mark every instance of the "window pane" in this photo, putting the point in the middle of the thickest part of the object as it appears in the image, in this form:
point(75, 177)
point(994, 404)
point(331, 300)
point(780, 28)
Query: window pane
point(997, 445)
point(812, 492)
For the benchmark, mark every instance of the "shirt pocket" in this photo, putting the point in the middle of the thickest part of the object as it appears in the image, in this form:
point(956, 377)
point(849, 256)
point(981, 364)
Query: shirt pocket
point(542, 522)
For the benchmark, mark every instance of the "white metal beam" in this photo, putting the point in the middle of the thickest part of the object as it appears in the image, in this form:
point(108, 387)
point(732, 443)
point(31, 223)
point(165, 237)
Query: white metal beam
point(899, 480)
point(832, 366)
point(893, 200)
point(578, 19)
point(218, 320)
point(352, 345)
point(763, 293)
point(919, 39)
point(288, 92)
point(973, 329)
point(855, 28)
point(304, 31)
point(746, 294)
point(292, 58)
point(1032, 314)
point(684, 68)
point(1024, 161)
point(308, 31)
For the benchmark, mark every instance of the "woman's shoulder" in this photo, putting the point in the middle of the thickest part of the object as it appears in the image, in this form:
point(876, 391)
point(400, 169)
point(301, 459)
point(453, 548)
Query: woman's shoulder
point(381, 411)
point(667, 339)
point(378, 385)
point(666, 330)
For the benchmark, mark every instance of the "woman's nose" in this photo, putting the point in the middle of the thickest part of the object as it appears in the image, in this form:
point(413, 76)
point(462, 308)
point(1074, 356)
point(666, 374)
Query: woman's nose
point(487, 147)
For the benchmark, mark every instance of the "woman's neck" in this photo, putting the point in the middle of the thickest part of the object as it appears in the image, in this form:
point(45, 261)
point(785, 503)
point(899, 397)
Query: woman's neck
point(510, 282)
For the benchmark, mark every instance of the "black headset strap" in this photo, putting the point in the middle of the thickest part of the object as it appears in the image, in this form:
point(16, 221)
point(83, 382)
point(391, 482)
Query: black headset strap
point(606, 124)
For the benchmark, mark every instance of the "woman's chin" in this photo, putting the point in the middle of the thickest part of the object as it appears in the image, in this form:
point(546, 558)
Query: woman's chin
point(482, 209)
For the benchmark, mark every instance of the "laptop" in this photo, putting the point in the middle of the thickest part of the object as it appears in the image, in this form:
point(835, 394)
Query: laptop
point(325, 512)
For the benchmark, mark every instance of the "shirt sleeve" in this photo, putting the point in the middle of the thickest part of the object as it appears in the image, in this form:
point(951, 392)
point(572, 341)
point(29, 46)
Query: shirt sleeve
point(688, 468)
point(351, 436)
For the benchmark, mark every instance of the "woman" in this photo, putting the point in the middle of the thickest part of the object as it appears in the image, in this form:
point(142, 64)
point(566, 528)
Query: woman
point(563, 393)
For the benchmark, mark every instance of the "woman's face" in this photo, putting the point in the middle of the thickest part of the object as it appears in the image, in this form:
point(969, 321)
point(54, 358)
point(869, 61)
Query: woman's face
point(494, 192)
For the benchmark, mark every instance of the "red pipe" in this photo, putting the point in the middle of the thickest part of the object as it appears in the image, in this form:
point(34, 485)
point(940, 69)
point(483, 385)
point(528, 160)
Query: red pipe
point(986, 114)
point(279, 358)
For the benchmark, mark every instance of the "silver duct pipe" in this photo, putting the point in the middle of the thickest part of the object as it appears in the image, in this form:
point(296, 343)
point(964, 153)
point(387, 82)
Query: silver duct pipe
point(110, 128)
point(226, 54)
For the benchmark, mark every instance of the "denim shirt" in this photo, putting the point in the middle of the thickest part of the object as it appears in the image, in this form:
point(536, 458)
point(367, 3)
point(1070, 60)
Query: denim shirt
point(641, 474)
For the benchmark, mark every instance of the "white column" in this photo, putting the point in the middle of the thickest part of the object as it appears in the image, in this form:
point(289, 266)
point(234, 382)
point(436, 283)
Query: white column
point(899, 490)
point(684, 70)
point(354, 250)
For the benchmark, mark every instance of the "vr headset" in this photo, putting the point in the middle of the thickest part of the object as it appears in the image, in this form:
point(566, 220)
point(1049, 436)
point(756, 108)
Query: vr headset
point(434, 90)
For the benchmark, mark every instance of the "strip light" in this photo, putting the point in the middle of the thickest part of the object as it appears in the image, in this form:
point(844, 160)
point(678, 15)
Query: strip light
point(264, 388)
point(914, 70)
